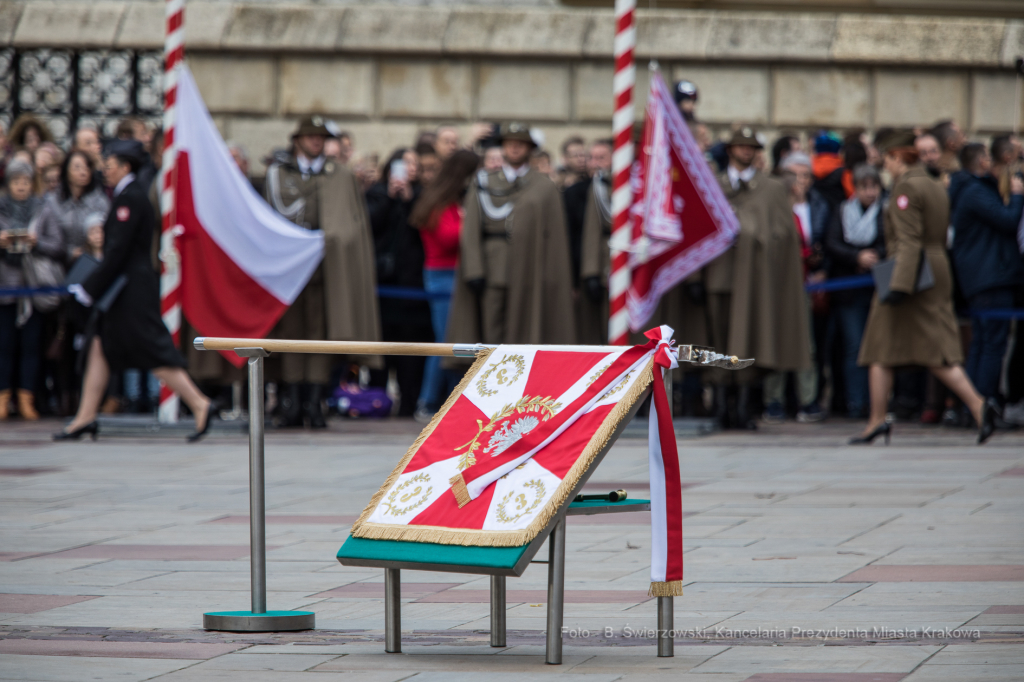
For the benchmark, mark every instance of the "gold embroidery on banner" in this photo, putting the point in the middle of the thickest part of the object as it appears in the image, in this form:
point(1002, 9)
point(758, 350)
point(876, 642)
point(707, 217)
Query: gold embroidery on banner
point(395, 510)
point(545, 406)
point(523, 505)
point(618, 387)
point(501, 378)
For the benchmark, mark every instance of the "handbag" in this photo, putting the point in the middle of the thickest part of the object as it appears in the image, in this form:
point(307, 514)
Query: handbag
point(883, 271)
point(42, 271)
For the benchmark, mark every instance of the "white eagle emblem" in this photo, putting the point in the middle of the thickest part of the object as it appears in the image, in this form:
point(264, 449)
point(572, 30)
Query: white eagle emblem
point(507, 435)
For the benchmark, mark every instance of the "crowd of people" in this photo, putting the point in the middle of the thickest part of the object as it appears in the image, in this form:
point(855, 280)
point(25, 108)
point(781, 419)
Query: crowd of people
point(490, 239)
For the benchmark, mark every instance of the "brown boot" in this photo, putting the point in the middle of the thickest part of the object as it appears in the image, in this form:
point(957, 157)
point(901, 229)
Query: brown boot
point(26, 405)
point(5, 403)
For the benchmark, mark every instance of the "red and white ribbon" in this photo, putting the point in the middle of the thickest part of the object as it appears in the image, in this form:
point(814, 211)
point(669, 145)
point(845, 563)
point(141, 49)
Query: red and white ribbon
point(170, 265)
point(666, 483)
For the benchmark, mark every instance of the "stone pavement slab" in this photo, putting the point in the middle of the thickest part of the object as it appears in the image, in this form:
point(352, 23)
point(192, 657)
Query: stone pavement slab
point(806, 560)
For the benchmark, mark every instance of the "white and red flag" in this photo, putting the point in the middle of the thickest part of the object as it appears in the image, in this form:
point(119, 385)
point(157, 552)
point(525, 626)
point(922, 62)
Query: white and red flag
point(681, 220)
point(504, 453)
point(242, 264)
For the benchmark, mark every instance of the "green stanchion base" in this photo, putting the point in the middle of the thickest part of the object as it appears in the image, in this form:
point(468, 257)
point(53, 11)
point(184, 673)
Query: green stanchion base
point(247, 621)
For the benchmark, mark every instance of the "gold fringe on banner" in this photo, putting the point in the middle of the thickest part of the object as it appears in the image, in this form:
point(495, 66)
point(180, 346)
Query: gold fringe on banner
point(491, 538)
point(672, 588)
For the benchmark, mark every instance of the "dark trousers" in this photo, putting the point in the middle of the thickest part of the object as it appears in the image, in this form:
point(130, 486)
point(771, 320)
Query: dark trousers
point(853, 317)
point(21, 346)
point(988, 341)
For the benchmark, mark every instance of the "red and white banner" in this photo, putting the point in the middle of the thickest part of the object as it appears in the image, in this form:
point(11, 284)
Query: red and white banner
point(242, 264)
point(681, 221)
point(510, 445)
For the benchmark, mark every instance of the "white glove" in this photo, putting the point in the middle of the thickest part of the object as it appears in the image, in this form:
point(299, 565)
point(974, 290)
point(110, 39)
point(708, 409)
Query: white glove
point(80, 294)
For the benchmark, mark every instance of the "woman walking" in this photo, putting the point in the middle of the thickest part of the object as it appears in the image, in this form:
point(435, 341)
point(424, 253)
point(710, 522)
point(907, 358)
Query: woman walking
point(438, 215)
point(132, 333)
point(908, 327)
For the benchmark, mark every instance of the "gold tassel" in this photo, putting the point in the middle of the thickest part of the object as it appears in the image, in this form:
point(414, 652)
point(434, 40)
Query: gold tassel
point(671, 588)
point(458, 484)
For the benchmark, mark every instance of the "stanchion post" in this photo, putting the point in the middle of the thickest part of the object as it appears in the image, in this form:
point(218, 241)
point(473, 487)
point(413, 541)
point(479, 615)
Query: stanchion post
point(257, 488)
point(498, 610)
point(258, 619)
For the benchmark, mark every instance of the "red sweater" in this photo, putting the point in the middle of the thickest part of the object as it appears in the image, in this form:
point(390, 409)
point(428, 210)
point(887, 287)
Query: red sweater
point(441, 244)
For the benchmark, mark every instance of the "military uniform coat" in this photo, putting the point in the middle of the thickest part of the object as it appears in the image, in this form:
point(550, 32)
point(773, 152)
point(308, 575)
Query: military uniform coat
point(595, 261)
point(756, 288)
point(921, 330)
point(525, 261)
point(132, 331)
point(333, 202)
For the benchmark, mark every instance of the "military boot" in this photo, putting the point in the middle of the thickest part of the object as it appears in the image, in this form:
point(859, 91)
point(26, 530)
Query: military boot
point(291, 406)
point(312, 408)
point(744, 415)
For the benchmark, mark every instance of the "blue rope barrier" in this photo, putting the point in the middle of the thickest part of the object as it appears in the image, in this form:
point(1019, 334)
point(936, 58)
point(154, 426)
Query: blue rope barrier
point(843, 283)
point(33, 291)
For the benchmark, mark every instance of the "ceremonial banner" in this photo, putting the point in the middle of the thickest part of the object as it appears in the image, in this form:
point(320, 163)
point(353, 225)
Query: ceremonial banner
point(242, 264)
point(681, 221)
point(511, 443)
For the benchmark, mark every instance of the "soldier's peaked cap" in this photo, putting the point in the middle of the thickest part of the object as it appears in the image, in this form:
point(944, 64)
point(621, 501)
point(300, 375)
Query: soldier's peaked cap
point(312, 125)
point(126, 149)
point(895, 140)
point(744, 137)
point(517, 131)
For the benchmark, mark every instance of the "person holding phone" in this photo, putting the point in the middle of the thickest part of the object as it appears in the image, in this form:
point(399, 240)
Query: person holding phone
point(21, 325)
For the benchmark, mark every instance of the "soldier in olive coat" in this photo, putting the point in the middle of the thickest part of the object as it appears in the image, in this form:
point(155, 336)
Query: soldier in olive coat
point(514, 281)
point(757, 306)
point(911, 326)
point(340, 302)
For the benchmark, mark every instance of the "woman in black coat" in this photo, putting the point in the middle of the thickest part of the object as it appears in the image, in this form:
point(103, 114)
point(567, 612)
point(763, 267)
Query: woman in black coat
point(132, 334)
point(854, 242)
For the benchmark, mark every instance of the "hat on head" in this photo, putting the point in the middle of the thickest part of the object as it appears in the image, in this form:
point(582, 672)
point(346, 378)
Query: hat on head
point(684, 90)
point(312, 125)
point(18, 168)
point(895, 140)
point(127, 149)
point(794, 159)
point(516, 131)
point(827, 142)
point(744, 137)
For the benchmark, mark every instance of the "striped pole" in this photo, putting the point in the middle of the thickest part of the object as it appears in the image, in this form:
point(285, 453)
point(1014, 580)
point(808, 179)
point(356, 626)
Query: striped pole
point(622, 162)
point(170, 266)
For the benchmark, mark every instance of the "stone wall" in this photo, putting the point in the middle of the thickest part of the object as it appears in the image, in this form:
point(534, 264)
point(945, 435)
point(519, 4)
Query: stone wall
point(385, 72)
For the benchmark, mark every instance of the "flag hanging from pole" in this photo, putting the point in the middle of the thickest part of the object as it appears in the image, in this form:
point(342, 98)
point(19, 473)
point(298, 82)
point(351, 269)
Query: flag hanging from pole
point(681, 220)
point(242, 264)
point(510, 445)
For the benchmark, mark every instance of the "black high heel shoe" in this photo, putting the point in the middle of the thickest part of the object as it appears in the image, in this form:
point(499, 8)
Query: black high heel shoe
point(196, 436)
point(92, 428)
point(884, 429)
point(989, 412)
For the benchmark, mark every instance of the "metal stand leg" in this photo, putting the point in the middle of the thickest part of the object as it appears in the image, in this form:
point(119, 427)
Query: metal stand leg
point(257, 521)
point(393, 610)
point(258, 619)
point(556, 592)
point(497, 610)
point(666, 643)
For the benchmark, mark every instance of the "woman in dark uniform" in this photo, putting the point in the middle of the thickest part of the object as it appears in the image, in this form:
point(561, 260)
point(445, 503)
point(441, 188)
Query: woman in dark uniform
point(132, 334)
point(910, 328)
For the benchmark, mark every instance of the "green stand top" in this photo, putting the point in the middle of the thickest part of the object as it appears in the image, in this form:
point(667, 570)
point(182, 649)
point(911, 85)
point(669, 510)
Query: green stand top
point(430, 556)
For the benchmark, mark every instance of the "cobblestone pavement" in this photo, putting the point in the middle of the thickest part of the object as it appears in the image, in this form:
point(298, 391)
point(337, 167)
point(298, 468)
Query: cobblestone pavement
point(806, 560)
